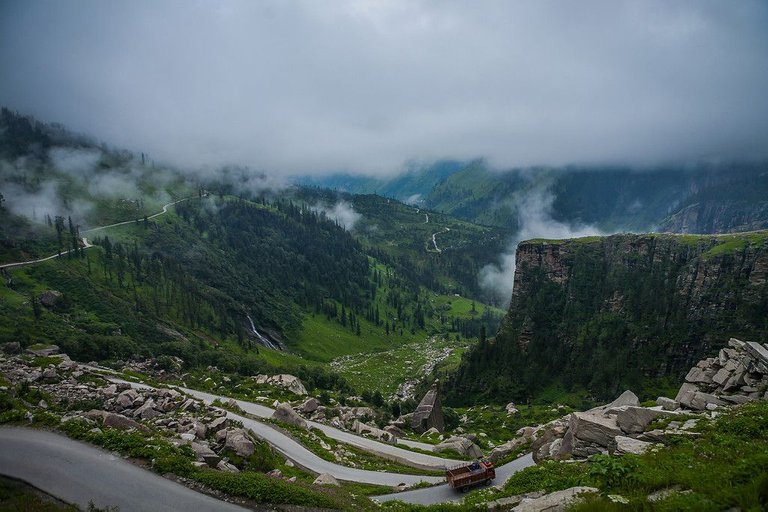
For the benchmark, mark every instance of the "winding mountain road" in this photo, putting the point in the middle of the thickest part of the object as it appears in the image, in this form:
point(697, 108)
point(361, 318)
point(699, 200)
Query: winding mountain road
point(392, 452)
point(301, 456)
point(79, 473)
point(87, 245)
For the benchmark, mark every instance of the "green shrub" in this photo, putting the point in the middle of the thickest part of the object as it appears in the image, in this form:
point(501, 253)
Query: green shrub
point(263, 489)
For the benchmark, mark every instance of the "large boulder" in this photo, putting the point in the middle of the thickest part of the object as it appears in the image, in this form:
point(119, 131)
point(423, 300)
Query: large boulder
point(326, 479)
point(309, 406)
point(633, 420)
point(147, 411)
point(11, 347)
point(667, 403)
point(594, 427)
point(461, 445)
point(626, 398)
point(556, 501)
point(205, 454)
point(121, 422)
point(623, 445)
point(285, 413)
point(217, 424)
point(49, 298)
point(505, 449)
point(429, 412)
point(44, 351)
point(689, 396)
point(374, 432)
point(126, 398)
point(238, 441)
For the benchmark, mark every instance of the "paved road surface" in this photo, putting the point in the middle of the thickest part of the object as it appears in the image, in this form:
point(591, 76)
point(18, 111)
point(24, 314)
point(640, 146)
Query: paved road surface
point(443, 493)
point(77, 473)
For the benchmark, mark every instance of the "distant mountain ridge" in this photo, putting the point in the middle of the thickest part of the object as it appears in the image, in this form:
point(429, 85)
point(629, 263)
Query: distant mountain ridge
point(715, 198)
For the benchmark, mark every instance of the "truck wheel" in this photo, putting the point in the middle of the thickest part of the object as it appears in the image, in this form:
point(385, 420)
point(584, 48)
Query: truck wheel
point(488, 482)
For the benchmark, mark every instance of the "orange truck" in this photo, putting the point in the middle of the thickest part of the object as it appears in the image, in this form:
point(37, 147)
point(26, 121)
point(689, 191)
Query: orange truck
point(465, 476)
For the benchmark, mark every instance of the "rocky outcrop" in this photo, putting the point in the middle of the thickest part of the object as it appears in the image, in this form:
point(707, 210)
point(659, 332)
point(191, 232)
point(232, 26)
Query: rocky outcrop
point(429, 412)
point(738, 374)
point(285, 381)
point(611, 428)
point(460, 445)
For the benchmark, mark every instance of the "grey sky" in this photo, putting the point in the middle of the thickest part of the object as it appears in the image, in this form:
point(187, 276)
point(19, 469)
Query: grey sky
point(365, 86)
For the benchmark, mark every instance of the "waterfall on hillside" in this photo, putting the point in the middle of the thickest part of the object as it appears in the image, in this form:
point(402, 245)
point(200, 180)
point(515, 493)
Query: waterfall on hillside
point(262, 339)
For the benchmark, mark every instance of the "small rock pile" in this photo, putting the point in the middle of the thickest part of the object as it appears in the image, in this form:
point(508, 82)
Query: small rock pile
point(739, 374)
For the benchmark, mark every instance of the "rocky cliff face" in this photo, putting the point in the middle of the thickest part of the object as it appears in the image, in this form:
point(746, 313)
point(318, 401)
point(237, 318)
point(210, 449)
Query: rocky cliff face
point(603, 314)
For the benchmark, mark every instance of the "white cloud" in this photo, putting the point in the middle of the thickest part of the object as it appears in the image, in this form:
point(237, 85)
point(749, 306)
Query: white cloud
point(342, 212)
point(534, 211)
point(305, 86)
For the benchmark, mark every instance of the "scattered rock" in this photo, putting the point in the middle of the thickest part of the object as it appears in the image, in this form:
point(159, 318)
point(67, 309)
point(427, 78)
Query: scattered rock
point(663, 494)
point(226, 466)
point(511, 409)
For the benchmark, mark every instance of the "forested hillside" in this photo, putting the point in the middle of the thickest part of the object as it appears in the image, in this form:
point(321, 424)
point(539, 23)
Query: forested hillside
point(245, 280)
point(591, 317)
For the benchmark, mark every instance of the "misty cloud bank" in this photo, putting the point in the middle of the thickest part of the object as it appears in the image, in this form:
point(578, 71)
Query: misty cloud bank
point(364, 86)
point(342, 212)
point(534, 211)
point(71, 181)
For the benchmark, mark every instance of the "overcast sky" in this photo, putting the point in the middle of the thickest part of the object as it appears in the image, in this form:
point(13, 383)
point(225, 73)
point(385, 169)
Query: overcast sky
point(367, 86)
